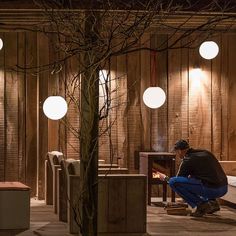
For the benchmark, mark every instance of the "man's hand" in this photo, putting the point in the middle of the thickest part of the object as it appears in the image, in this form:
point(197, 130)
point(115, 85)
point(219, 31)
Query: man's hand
point(160, 175)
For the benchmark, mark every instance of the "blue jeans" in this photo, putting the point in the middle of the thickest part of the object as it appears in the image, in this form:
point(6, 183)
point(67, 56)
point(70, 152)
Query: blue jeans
point(193, 191)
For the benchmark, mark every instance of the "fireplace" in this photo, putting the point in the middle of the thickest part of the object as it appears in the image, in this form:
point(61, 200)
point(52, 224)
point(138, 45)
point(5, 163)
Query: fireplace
point(150, 163)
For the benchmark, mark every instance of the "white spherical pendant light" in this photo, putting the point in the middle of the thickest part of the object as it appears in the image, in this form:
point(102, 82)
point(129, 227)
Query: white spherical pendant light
point(209, 50)
point(154, 97)
point(55, 107)
point(1, 44)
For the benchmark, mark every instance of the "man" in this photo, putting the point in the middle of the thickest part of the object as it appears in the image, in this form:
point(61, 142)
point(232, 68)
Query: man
point(200, 179)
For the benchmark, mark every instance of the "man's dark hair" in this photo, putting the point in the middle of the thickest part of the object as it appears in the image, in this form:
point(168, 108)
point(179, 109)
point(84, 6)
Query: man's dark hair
point(181, 145)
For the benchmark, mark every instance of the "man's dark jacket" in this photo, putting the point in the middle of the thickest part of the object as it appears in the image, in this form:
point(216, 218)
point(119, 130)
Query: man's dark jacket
point(203, 165)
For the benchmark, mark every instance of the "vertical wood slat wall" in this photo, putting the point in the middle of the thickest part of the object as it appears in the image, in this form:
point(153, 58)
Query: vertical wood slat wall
point(2, 113)
point(202, 111)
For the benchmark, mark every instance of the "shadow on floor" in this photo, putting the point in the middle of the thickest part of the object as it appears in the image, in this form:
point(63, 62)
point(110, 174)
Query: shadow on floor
point(216, 219)
point(12, 232)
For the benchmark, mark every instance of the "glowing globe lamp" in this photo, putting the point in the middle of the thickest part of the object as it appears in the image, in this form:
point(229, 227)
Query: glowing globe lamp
point(55, 107)
point(1, 44)
point(209, 50)
point(154, 97)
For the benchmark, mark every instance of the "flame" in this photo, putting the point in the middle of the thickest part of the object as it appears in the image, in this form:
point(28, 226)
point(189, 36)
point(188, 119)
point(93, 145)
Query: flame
point(155, 175)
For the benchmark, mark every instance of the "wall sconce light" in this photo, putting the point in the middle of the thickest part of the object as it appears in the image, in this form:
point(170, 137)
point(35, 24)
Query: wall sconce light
point(55, 107)
point(1, 44)
point(209, 50)
point(154, 97)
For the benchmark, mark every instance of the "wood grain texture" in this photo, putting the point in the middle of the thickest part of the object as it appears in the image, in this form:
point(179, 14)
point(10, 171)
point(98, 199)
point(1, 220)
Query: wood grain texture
point(133, 107)
point(117, 205)
point(136, 205)
point(53, 88)
point(174, 94)
point(154, 72)
point(31, 113)
point(21, 106)
point(113, 113)
point(145, 83)
point(232, 102)
point(225, 98)
point(72, 117)
point(216, 105)
point(43, 59)
point(2, 113)
point(162, 81)
point(122, 139)
point(184, 92)
point(103, 198)
point(199, 102)
point(11, 109)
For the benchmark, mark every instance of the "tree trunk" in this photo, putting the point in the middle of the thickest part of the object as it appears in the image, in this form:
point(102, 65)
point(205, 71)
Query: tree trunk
point(89, 138)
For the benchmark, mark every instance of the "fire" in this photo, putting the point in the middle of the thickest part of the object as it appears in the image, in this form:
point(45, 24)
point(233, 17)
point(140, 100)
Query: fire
point(155, 175)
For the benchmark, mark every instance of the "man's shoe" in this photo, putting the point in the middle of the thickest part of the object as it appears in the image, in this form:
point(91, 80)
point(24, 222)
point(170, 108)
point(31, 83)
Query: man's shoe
point(214, 206)
point(202, 209)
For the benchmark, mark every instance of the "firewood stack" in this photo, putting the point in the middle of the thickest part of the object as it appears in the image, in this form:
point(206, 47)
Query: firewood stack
point(176, 208)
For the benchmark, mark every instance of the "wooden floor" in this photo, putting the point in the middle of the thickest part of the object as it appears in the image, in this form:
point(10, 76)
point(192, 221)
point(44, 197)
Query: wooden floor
point(44, 223)
point(220, 224)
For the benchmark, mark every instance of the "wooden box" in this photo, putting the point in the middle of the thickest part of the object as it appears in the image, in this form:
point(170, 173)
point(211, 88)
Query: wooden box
point(14, 205)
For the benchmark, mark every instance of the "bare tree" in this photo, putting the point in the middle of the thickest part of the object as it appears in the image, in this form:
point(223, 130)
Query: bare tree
point(95, 31)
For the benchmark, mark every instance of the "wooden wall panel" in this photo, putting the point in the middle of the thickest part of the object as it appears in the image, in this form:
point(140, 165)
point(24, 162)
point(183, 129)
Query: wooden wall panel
point(133, 107)
point(232, 100)
point(21, 106)
point(184, 92)
point(2, 112)
point(199, 102)
point(202, 111)
point(73, 100)
point(145, 83)
point(43, 59)
point(162, 81)
point(205, 105)
point(225, 97)
point(154, 72)
point(216, 102)
point(11, 108)
point(113, 115)
point(53, 89)
point(174, 94)
point(31, 112)
point(104, 136)
point(62, 92)
point(122, 139)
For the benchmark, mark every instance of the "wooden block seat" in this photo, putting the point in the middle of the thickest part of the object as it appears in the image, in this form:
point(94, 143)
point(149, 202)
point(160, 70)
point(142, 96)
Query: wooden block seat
point(121, 204)
point(230, 169)
point(14, 205)
point(230, 196)
point(52, 164)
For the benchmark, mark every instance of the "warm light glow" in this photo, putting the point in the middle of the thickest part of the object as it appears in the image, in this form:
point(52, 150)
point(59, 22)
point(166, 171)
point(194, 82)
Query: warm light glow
point(154, 97)
point(55, 107)
point(196, 76)
point(209, 50)
point(1, 44)
point(103, 77)
point(196, 73)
